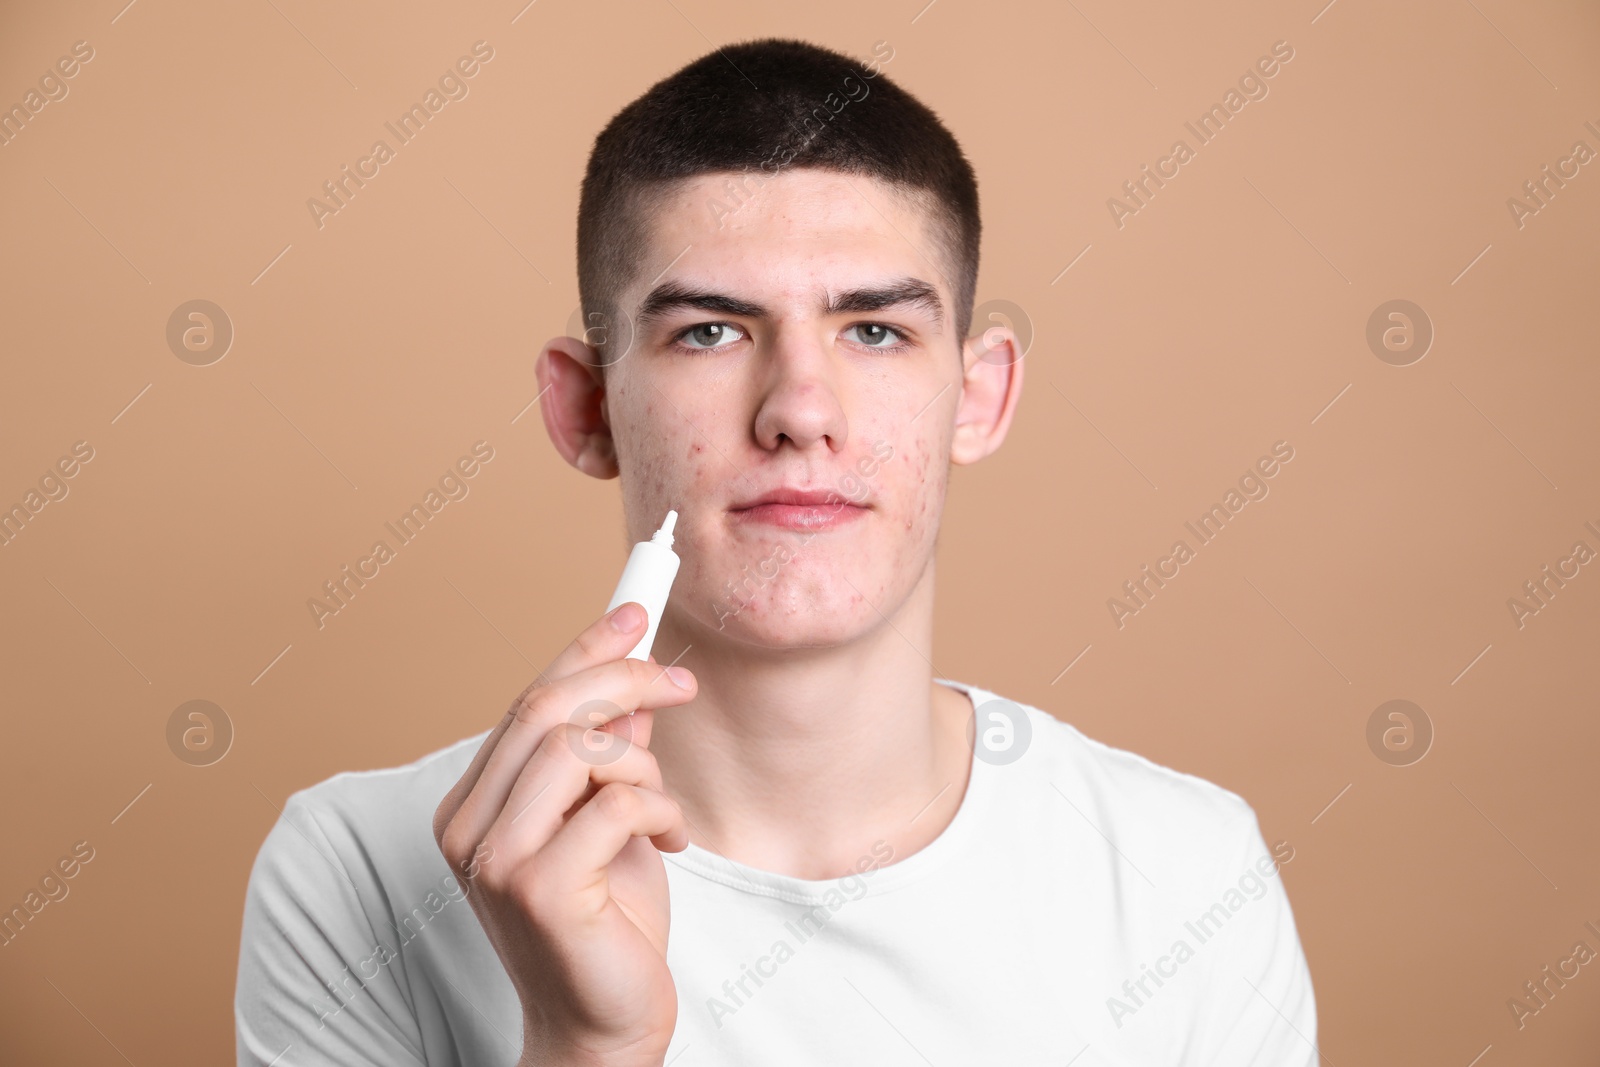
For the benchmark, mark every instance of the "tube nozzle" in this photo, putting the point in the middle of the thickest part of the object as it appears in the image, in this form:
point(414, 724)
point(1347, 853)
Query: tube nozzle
point(663, 536)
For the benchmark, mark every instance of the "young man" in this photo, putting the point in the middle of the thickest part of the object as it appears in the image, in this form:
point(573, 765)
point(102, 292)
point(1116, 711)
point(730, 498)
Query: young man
point(777, 255)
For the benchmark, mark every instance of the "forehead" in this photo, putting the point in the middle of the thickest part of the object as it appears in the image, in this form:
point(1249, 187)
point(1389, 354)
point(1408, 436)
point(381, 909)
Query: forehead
point(789, 233)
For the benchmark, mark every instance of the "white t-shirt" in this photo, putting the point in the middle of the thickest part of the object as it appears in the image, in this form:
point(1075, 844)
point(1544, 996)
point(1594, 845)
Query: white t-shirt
point(1085, 906)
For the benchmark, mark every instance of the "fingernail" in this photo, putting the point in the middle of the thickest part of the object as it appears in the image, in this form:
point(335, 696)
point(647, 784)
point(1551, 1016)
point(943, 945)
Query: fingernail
point(629, 616)
point(680, 677)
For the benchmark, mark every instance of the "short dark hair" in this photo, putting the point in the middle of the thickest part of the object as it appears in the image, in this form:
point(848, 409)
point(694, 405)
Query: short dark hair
point(767, 104)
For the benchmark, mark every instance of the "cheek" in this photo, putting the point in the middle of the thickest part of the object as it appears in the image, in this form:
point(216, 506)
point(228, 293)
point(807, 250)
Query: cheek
point(910, 481)
point(671, 437)
point(925, 483)
point(932, 459)
point(670, 461)
point(702, 467)
point(647, 467)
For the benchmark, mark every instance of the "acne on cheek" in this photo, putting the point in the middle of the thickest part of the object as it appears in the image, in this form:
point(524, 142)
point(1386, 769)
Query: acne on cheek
point(675, 483)
point(925, 476)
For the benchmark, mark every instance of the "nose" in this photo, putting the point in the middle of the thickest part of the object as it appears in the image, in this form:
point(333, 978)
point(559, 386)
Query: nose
point(800, 399)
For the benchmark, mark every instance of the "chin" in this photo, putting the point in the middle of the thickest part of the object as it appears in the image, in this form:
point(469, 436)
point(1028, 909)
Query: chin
point(774, 635)
point(794, 617)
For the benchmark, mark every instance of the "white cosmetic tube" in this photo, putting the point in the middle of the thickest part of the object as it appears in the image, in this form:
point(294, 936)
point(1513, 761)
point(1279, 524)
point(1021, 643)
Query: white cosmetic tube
point(647, 579)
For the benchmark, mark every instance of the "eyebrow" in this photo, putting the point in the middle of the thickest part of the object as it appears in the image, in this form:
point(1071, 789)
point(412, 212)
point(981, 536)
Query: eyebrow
point(900, 292)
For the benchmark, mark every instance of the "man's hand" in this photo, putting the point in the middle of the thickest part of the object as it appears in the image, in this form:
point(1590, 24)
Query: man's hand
point(546, 833)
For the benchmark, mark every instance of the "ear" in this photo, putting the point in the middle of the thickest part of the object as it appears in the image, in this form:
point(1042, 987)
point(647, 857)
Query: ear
point(990, 387)
point(573, 402)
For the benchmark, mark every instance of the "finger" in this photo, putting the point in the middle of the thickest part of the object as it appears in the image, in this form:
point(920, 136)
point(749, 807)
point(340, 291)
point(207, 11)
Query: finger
point(591, 697)
point(571, 764)
point(578, 854)
point(450, 805)
point(609, 637)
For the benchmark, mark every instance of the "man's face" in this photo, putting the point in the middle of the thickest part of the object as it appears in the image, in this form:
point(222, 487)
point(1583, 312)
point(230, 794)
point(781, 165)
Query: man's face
point(714, 407)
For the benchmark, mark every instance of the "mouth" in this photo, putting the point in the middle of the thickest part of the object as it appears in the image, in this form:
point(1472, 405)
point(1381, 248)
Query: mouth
point(799, 509)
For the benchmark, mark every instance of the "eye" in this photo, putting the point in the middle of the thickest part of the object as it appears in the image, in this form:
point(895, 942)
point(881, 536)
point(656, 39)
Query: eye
point(874, 332)
point(715, 334)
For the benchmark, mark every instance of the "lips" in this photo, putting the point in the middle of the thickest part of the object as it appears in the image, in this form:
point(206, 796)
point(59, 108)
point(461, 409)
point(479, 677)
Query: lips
point(799, 509)
point(796, 497)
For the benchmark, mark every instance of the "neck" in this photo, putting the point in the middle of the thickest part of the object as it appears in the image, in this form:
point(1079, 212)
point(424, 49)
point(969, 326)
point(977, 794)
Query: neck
point(799, 762)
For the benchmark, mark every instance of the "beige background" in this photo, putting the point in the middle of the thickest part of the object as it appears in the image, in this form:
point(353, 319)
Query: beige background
point(1229, 313)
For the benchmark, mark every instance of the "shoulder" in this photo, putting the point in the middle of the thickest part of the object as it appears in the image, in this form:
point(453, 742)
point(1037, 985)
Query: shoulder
point(379, 796)
point(368, 825)
point(1130, 799)
point(345, 857)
